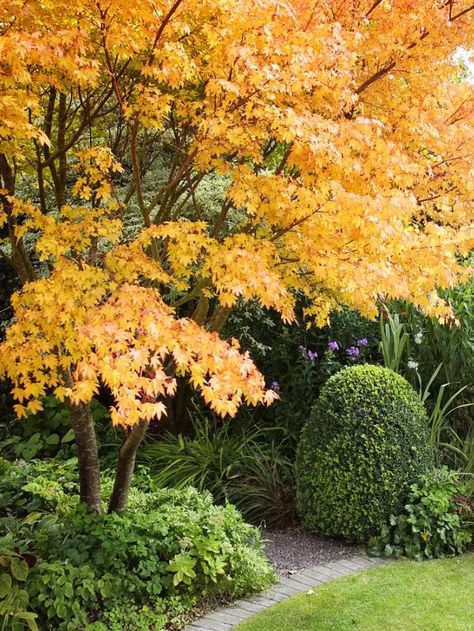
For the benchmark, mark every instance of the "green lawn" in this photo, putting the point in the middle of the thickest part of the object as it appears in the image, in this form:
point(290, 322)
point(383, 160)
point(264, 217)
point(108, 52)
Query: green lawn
point(400, 596)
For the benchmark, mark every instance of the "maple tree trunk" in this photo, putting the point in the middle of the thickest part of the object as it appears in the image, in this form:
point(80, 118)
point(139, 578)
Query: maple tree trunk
point(181, 408)
point(82, 423)
point(125, 467)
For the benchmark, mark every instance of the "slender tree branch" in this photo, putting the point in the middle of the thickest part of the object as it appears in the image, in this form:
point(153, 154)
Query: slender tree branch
point(460, 14)
point(437, 196)
point(50, 158)
point(20, 260)
point(163, 25)
point(137, 174)
point(390, 65)
point(373, 7)
point(284, 160)
point(226, 206)
point(170, 185)
point(62, 170)
point(376, 76)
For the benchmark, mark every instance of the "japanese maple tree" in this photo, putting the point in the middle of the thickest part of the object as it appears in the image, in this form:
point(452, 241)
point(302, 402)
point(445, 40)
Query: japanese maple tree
point(346, 145)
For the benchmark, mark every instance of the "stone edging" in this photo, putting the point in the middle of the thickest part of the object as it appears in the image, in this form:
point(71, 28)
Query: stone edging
point(228, 617)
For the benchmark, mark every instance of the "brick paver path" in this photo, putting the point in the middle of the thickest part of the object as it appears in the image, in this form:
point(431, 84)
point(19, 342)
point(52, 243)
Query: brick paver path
point(227, 617)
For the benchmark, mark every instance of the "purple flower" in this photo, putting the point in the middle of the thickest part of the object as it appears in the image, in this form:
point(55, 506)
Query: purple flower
point(362, 342)
point(275, 386)
point(353, 352)
point(333, 346)
point(302, 348)
point(312, 355)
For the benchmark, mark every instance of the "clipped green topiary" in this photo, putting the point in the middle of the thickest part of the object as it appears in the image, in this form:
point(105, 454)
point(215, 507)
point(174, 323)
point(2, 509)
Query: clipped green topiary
point(362, 447)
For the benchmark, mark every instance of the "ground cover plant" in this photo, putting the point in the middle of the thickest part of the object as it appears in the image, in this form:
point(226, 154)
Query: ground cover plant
point(143, 569)
point(434, 523)
point(399, 596)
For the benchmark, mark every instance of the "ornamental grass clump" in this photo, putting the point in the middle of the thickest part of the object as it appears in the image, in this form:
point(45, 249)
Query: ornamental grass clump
point(362, 447)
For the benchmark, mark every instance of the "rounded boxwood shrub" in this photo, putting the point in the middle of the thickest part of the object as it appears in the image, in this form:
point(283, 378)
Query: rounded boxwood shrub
point(362, 447)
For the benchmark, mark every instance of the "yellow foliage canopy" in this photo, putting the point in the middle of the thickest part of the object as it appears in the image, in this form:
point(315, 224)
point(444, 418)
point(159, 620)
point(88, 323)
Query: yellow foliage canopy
point(343, 131)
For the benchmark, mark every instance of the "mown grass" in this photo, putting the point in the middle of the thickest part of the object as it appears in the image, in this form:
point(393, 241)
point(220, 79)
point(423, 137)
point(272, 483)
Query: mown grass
point(400, 596)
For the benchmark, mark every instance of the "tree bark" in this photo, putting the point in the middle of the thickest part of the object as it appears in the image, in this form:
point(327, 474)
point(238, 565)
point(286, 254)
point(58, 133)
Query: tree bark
point(181, 408)
point(61, 141)
point(218, 318)
point(82, 423)
point(19, 259)
point(125, 467)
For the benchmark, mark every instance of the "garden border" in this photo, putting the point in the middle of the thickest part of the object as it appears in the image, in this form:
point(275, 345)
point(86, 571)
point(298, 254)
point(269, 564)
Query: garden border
point(226, 618)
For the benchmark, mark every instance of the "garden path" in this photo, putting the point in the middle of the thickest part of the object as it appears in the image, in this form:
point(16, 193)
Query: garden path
point(302, 581)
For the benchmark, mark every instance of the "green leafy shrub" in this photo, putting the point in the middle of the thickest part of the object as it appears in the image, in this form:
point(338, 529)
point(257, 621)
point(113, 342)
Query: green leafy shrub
point(37, 485)
point(48, 433)
point(248, 469)
point(431, 526)
point(130, 618)
point(363, 445)
point(275, 346)
point(168, 551)
point(14, 599)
